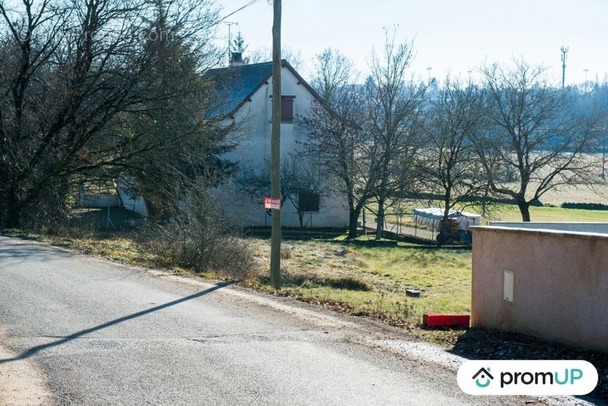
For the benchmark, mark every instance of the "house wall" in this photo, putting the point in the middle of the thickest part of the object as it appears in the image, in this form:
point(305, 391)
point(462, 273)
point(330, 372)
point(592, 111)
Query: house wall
point(253, 133)
point(252, 213)
point(254, 122)
point(559, 289)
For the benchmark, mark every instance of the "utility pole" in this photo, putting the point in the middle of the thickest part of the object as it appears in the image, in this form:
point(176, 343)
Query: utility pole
point(275, 148)
point(564, 52)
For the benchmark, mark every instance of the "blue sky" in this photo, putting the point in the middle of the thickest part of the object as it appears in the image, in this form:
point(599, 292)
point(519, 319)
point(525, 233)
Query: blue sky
point(449, 35)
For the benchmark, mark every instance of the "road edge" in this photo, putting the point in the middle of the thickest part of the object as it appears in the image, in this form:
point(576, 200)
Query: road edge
point(22, 382)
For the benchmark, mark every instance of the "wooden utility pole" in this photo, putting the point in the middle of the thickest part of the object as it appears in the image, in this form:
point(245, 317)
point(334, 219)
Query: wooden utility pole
point(275, 147)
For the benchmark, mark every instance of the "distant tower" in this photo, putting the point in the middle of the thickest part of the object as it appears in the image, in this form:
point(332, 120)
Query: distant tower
point(564, 52)
point(230, 24)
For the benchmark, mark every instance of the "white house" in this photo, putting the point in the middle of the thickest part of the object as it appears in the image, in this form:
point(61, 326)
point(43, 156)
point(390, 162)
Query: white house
point(245, 94)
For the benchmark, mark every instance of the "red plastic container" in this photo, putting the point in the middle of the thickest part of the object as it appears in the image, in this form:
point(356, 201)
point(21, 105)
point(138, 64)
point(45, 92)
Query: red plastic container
point(446, 320)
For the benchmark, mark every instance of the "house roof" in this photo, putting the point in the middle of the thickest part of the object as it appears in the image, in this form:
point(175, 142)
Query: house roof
point(236, 84)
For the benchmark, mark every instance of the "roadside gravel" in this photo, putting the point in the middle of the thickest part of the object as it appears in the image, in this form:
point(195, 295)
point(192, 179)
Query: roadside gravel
point(21, 383)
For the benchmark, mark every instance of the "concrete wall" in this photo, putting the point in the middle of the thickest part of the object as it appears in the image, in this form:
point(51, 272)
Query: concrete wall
point(595, 228)
point(559, 284)
point(333, 211)
point(254, 122)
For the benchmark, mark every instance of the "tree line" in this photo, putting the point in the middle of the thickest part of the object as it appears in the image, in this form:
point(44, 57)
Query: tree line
point(514, 135)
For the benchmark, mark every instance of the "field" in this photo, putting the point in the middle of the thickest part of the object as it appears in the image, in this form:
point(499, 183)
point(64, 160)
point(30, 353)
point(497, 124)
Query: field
point(354, 278)
point(511, 213)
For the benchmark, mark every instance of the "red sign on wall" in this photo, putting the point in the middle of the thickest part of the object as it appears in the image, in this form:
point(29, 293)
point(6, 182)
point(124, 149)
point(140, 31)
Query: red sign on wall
point(270, 203)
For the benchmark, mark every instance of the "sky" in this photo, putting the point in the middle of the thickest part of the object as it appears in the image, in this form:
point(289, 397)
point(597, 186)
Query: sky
point(450, 36)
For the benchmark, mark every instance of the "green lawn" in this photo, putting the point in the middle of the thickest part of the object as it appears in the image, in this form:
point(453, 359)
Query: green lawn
point(505, 212)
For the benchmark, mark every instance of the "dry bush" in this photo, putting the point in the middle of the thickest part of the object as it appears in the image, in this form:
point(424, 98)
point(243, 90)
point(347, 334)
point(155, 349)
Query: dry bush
point(199, 236)
point(48, 213)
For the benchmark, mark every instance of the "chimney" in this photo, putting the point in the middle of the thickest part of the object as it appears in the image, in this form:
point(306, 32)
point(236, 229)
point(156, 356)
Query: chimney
point(236, 59)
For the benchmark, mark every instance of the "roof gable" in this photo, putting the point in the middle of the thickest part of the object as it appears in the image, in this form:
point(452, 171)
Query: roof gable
point(235, 85)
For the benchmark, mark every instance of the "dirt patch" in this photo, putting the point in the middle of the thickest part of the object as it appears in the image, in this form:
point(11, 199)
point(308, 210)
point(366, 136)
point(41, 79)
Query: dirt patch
point(21, 383)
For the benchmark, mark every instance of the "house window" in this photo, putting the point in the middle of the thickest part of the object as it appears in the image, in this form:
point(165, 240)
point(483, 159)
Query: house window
point(308, 201)
point(287, 109)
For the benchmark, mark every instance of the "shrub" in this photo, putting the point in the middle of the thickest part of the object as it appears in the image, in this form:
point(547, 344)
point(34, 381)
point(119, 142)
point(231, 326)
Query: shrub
point(200, 237)
point(585, 206)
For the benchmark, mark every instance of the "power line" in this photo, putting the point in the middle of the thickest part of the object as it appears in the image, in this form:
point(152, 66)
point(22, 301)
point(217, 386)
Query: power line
point(236, 11)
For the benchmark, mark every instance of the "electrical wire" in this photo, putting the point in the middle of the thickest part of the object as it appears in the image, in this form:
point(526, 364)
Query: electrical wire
point(236, 11)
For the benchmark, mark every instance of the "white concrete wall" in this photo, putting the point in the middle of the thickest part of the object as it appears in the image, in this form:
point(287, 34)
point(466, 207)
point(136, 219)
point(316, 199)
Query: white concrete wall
point(252, 213)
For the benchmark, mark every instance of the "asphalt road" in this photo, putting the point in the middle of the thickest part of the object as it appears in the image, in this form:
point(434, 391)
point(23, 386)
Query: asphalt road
point(107, 334)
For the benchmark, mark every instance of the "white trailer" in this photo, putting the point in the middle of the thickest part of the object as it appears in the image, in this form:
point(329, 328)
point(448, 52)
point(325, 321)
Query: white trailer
point(457, 230)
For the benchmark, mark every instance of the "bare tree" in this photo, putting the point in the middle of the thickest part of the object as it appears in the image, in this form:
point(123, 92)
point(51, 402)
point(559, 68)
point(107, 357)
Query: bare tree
point(335, 137)
point(255, 181)
point(536, 142)
point(264, 54)
point(392, 109)
point(300, 179)
point(200, 235)
point(450, 166)
point(305, 182)
point(74, 76)
point(334, 72)
point(365, 135)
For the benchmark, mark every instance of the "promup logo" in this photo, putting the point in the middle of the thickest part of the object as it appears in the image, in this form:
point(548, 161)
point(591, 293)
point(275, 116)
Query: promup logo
point(483, 378)
point(527, 377)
